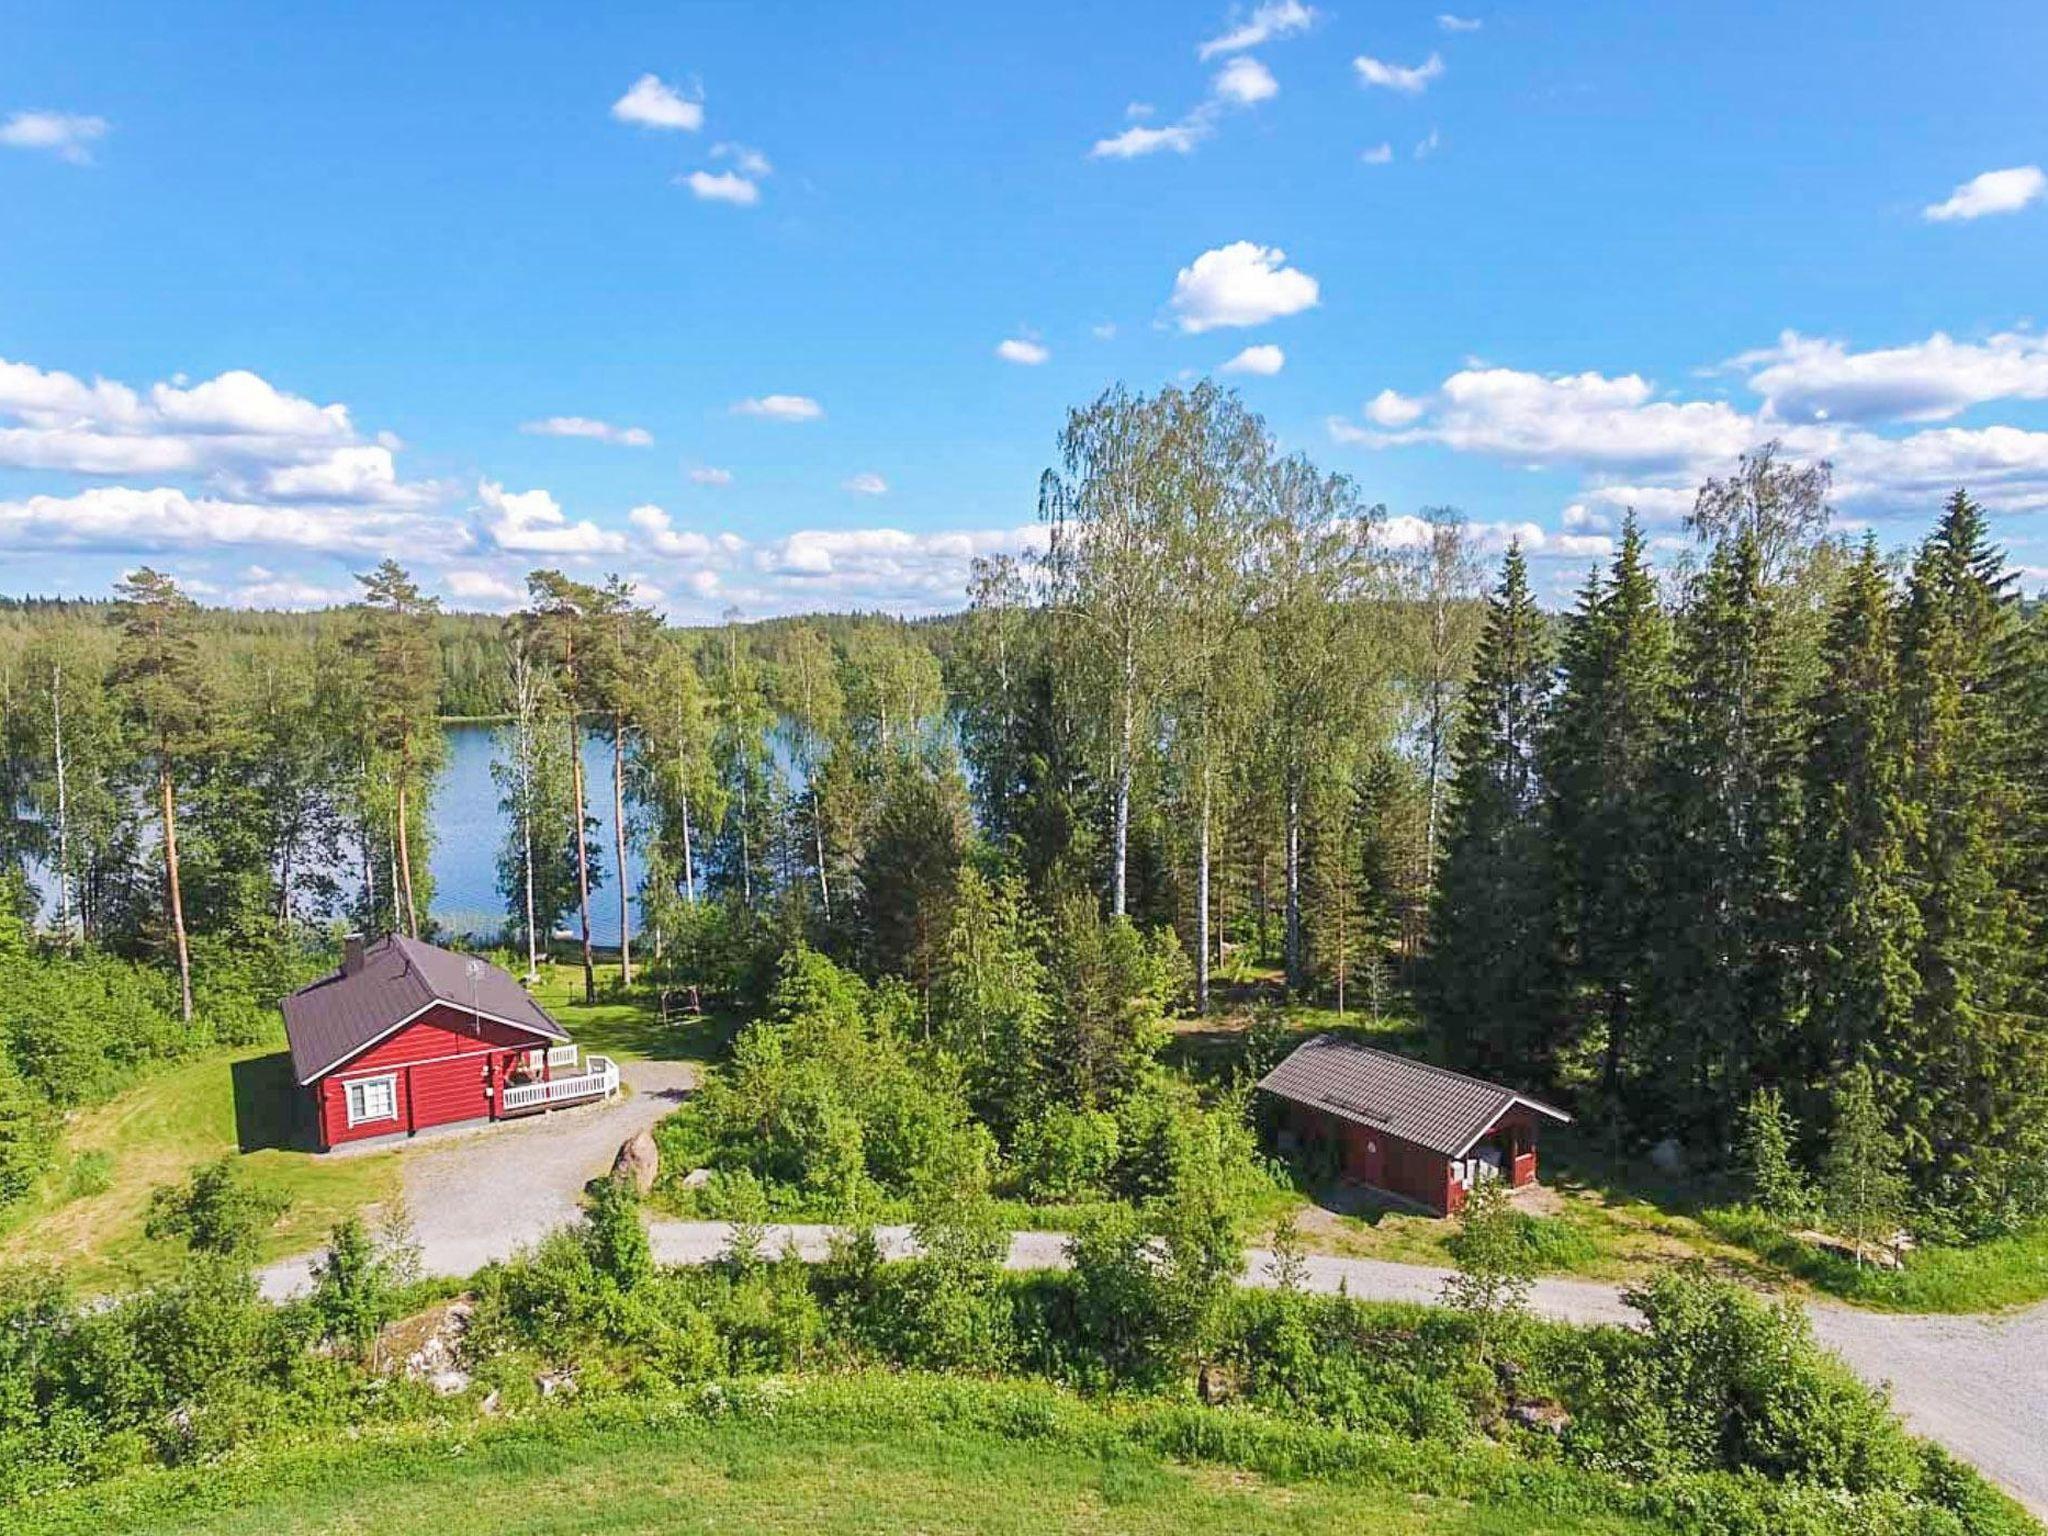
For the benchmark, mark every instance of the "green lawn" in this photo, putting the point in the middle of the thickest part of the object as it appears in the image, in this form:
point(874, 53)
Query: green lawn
point(851, 1456)
point(87, 1212)
point(630, 1027)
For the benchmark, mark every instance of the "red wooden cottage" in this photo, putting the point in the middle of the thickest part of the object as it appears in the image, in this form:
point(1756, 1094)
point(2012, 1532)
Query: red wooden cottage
point(407, 1035)
point(1421, 1132)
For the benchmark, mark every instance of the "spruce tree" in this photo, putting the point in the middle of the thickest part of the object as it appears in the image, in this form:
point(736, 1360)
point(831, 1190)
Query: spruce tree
point(1720, 995)
point(1975, 1069)
point(1490, 971)
point(1601, 757)
point(1861, 925)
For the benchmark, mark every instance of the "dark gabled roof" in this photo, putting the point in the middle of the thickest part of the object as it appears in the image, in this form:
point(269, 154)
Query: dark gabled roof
point(1433, 1107)
point(334, 1018)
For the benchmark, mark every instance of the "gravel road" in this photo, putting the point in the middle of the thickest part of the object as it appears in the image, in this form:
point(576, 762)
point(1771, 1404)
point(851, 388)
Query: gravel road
point(1978, 1385)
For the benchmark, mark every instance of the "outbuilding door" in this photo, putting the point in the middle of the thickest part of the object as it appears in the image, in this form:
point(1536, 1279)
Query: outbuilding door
point(1365, 1153)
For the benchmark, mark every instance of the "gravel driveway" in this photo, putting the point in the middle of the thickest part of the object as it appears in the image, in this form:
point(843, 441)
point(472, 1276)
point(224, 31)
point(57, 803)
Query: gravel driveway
point(476, 1196)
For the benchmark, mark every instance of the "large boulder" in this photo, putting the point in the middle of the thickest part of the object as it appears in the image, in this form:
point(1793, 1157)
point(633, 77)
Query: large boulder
point(639, 1159)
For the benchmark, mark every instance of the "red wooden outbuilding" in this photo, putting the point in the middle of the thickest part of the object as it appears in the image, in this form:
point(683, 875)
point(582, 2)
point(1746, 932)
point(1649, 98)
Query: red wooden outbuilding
point(407, 1035)
point(1421, 1132)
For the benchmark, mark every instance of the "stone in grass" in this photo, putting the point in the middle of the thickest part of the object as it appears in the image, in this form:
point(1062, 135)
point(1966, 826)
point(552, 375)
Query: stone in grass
point(640, 1160)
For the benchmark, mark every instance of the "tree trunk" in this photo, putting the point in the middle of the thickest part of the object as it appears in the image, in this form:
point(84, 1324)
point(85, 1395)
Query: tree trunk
point(746, 846)
point(619, 829)
point(526, 843)
point(1202, 903)
point(818, 838)
point(582, 856)
point(1293, 935)
point(1121, 850)
point(176, 890)
point(689, 855)
point(412, 916)
point(63, 807)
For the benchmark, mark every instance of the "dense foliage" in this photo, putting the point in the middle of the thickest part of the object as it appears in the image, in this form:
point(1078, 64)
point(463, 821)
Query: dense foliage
point(1719, 1414)
point(1778, 834)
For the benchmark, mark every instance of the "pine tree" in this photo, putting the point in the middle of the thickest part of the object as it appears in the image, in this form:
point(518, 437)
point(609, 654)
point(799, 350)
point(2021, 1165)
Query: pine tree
point(1976, 1068)
point(1491, 964)
point(1861, 925)
point(159, 680)
point(393, 645)
point(1601, 760)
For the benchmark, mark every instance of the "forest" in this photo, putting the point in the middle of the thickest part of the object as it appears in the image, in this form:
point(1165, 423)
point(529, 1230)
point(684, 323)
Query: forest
point(1748, 849)
point(1744, 852)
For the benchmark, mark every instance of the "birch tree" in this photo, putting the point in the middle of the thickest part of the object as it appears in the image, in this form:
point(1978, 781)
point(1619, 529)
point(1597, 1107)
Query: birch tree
point(1112, 520)
point(1315, 572)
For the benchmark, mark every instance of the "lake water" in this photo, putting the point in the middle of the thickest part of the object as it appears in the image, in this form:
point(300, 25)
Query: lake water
point(470, 829)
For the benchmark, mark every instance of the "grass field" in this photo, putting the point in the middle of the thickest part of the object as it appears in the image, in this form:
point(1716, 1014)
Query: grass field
point(879, 1454)
point(87, 1212)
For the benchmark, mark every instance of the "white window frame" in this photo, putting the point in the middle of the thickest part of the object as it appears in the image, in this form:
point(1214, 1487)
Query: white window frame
point(388, 1082)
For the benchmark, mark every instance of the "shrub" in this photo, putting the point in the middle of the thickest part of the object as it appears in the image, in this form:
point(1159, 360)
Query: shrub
point(216, 1211)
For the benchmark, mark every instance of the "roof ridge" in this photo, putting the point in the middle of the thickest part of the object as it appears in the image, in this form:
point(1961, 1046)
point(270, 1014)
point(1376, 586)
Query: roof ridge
point(1424, 1066)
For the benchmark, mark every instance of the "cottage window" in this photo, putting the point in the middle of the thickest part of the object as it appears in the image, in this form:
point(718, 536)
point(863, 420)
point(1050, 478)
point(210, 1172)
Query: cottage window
point(373, 1098)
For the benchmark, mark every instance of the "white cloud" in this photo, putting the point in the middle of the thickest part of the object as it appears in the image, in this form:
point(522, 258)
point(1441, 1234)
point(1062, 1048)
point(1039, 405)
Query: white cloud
point(1393, 410)
point(1106, 331)
point(661, 535)
point(1240, 284)
point(1381, 153)
point(119, 517)
point(533, 523)
point(866, 483)
point(1634, 447)
point(1450, 23)
point(748, 162)
point(709, 474)
point(290, 592)
point(585, 426)
point(1570, 419)
point(1140, 139)
point(1021, 349)
point(244, 435)
point(1275, 19)
point(1427, 146)
point(1410, 80)
point(1805, 378)
point(475, 586)
point(1265, 359)
point(651, 103)
point(67, 135)
point(1245, 82)
point(722, 187)
point(2005, 191)
point(781, 408)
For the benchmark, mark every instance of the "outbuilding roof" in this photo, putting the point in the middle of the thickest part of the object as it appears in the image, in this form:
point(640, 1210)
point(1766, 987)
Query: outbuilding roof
point(1433, 1107)
point(337, 1017)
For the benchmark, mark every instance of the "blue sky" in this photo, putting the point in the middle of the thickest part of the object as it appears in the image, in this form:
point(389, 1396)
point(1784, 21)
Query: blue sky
point(285, 289)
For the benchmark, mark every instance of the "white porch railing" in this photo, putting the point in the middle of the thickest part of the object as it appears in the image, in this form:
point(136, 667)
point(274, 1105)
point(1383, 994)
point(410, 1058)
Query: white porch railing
point(561, 1056)
point(600, 1080)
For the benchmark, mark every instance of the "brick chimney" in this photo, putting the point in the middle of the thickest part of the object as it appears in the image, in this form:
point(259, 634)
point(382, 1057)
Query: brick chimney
point(351, 954)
